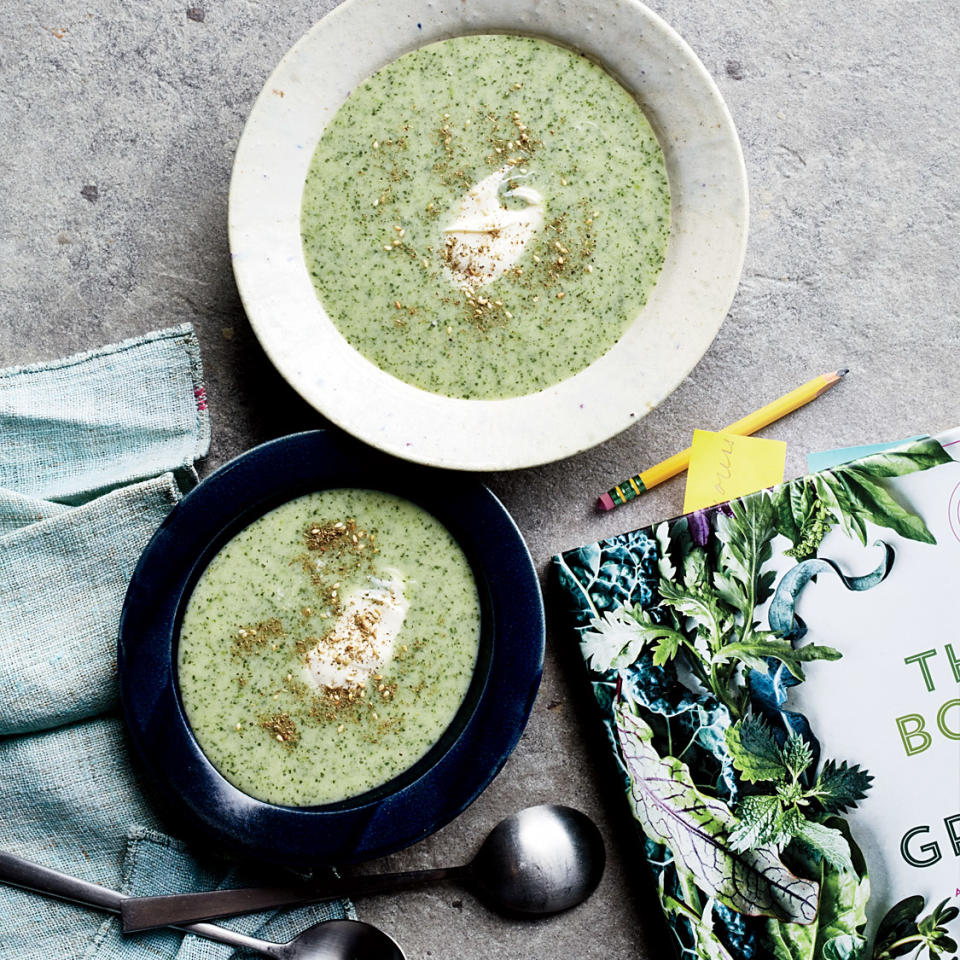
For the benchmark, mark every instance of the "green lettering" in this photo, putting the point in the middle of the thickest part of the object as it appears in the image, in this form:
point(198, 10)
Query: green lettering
point(942, 720)
point(918, 733)
point(954, 661)
point(953, 832)
point(922, 658)
point(931, 849)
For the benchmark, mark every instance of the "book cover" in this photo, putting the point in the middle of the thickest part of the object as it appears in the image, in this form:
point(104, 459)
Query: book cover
point(779, 680)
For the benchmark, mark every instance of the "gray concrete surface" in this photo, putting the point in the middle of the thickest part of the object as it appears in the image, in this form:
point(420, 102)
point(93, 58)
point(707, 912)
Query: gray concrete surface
point(118, 122)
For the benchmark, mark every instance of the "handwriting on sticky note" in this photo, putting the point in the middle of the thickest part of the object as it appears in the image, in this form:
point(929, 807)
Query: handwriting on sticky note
point(724, 466)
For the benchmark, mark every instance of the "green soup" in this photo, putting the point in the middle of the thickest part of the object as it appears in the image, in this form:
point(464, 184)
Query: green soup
point(328, 645)
point(486, 216)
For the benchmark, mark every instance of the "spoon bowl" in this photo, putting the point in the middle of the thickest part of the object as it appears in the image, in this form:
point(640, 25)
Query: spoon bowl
point(340, 940)
point(539, 861)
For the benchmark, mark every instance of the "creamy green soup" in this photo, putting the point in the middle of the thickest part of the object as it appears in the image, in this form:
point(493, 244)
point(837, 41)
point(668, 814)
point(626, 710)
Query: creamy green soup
point(486, 216)
point(328, 645)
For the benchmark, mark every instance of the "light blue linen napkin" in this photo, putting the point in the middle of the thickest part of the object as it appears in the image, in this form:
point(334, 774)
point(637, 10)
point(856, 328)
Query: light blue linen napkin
point(94, 452)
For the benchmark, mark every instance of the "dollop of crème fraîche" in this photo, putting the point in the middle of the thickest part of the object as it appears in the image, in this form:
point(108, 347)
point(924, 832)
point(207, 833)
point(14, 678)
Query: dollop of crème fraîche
point(486, 238)
point(362, 640)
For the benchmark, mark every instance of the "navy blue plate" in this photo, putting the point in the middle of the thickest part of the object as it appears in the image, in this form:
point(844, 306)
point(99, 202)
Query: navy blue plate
point(451, 775)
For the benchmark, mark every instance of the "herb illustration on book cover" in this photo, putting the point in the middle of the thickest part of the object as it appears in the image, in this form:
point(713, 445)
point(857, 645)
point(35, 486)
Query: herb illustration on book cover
point(779, 680)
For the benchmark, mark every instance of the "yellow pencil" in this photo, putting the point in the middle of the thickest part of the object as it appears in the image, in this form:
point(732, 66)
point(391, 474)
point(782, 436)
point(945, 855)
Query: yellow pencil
point(633, 486)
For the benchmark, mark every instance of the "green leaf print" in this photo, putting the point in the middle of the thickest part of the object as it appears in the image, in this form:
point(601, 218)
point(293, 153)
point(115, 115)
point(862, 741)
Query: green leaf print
point(694, 827)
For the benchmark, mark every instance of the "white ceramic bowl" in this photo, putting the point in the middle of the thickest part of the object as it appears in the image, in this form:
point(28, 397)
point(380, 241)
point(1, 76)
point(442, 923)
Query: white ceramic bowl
point(708, 232)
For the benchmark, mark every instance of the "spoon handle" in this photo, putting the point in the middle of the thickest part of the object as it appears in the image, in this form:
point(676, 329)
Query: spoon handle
point(145, 913)
point(33, 876)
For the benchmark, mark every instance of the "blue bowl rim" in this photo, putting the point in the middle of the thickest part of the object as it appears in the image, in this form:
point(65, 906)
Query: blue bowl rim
point(419, 801)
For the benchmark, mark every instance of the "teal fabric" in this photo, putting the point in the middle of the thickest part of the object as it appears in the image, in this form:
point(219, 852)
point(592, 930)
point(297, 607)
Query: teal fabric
point(103, 419)
point(94, 452)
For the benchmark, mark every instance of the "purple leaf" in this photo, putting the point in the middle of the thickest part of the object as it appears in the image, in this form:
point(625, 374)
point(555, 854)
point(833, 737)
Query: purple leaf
point(699, 527)
point(673, 812)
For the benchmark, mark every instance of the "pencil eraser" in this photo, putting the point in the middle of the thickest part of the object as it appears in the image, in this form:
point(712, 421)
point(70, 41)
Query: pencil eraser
point(605, 502)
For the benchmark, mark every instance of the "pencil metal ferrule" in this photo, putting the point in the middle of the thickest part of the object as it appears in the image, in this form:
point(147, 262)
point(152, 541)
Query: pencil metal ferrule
point(626, 491)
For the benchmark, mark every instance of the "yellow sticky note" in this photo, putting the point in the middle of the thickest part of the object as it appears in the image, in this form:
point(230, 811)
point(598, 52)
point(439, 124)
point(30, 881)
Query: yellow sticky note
point(724, 466)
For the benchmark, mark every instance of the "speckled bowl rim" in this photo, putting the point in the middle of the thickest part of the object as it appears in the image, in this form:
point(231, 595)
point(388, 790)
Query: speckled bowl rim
point(439, 786)
point(682, 316)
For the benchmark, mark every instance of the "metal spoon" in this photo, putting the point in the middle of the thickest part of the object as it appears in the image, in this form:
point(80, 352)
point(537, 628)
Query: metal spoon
point(330, 940)
point(539, 861)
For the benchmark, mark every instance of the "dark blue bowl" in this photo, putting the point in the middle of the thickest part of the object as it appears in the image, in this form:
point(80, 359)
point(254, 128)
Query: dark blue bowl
point(438, 787)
